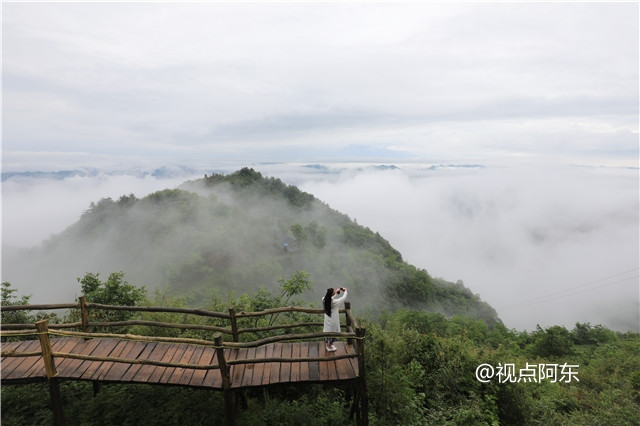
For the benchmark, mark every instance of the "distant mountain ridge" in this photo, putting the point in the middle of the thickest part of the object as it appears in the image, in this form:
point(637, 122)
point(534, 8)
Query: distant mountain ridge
point(160, 172)
point(236, 233)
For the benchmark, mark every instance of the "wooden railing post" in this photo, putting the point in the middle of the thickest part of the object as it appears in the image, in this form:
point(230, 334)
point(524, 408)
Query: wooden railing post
point(84, 314)
point(45, 344)
point(50, 369)
point(234, 323)
point(226, 381)
point(363, 419)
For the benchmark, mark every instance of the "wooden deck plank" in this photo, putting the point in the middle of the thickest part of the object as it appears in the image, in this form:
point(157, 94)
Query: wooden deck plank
point(176, 376)
point(208, 357)
point(78, 366)
point(185, 378)
point(64, 345)
point(16, 367)
point(217, 373)
point(65, 364)
point(266, 373)
point(243, 375)
point(177, 356)
point(116, 353)
point(304, 366)
point(133, 368)
point(23, 366)
point(314, 367)
point(285, 367)
point(295, 366)
point(237, 371)
point(322, 367)
point(152, 373)
point(9, 362)
point(343, 367)
point(274, 377)
point(37, 369)
point(117, 372)
point(164, 354)
point(258, 371)
point(351, 349)
point(18, 346)
point(213, 379)
point(332, 374)
point(249, 368)
point(102, 350)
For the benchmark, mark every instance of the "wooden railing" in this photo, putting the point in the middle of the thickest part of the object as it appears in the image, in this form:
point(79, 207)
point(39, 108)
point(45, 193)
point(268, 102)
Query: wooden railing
point(43, 329)
point(231, 316)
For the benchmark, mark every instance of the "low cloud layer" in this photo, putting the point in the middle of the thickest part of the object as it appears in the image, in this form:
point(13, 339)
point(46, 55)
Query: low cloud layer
point(35, 208)
point(542, 245)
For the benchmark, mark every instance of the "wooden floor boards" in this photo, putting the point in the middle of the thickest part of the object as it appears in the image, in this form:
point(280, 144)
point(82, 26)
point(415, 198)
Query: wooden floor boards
point(23, 369)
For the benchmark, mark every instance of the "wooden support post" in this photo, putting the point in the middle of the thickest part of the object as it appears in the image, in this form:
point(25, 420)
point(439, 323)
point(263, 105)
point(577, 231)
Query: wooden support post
point(45, 344)
point(355, 403)
point(347, 308)
point(229, 414)
point(84, 314)
point(50, 369)
point(364, 403)
point(234, 323)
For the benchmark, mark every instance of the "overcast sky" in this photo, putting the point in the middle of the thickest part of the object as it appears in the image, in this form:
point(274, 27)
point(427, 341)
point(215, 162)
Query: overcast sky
point(137, 83)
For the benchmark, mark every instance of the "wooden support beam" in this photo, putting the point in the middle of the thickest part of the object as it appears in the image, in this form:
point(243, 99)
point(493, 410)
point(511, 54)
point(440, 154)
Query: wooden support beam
point(84, 314)
point(349, 324)
point(229, 413)
point(363, 419)
point(50, 369)
point(45, 344)
point(234, 323)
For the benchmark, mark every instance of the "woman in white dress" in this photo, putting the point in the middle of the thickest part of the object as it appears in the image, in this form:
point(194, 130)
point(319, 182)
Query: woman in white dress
point(331, 302)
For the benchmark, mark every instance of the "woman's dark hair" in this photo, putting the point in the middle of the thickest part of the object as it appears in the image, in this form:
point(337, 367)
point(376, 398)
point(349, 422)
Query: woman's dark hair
point(327, 301)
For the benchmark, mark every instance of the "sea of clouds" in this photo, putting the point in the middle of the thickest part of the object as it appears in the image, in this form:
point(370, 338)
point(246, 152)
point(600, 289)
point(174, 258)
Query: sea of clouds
point(542, 245)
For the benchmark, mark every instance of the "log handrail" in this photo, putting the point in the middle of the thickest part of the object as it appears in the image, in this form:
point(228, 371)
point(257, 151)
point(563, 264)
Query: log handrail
point(9, 330)
point(10, 308)
point(232, 316)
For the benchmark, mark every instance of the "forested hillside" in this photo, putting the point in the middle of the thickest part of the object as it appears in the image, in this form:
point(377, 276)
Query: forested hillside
point(422, 369)
point(230, 234)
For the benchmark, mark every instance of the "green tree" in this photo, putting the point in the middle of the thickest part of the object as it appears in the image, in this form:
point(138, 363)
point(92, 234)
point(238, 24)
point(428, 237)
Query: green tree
point(297, 284)
point(10, 299)
point(114, 291)
point(585, 334)
point(299, 233)
point(554, 341)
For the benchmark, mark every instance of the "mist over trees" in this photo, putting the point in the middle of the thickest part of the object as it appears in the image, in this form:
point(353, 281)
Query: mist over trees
point(230, 234)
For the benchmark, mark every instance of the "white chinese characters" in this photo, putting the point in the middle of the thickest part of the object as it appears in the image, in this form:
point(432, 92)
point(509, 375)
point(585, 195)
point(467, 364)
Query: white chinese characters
point(536, 373)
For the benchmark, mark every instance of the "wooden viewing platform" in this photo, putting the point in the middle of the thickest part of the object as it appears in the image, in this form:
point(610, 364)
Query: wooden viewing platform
point(229, 366)
point(204, 371)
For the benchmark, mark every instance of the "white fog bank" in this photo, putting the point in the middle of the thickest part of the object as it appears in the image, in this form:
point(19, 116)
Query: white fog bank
point(542, 245)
